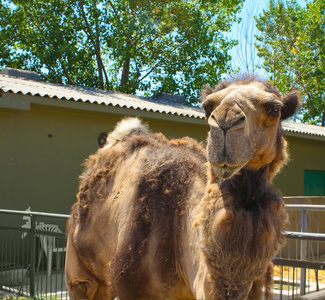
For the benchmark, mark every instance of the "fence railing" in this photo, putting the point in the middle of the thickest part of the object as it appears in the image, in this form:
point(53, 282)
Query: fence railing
point(301, 262)
point(32, 253)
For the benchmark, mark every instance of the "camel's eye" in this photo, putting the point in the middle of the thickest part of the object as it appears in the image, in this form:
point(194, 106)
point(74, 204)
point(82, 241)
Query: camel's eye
point(208, 106)
point(207, 110)
point(273, 109)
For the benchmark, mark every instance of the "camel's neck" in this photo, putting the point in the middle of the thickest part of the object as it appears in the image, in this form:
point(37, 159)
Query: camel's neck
point(248, 190)
point(242, 220)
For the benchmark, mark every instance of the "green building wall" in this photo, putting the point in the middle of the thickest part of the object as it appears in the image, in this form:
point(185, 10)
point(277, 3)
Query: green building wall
point(43, 147)
point(305, 154)
point(42, 151)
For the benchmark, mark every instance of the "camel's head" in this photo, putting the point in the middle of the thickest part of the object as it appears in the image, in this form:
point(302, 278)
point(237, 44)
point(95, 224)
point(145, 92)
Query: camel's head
point(245, 126)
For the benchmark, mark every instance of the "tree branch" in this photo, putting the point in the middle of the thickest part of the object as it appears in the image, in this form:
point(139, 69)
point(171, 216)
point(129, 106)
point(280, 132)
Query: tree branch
point(116, 14)
point(66, 73)
point(90, 35)
point(65, 70)
point(159, 61)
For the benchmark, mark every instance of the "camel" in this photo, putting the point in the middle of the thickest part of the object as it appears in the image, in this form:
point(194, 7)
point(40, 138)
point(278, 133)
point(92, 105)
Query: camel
point(167, 219)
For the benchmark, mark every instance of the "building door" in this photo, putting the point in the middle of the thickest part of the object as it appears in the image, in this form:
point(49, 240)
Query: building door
point(314, 183)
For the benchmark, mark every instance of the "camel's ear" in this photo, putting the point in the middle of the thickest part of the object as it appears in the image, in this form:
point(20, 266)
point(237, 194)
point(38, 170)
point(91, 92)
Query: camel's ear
point(290, 105)
point(207, 104)
point(206, 92)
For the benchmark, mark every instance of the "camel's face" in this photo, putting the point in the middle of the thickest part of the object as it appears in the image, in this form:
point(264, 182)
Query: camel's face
point(245, 126)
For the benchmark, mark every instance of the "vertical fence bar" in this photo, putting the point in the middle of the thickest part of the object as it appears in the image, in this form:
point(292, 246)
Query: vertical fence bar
point(297, 229)
point(281, 282)
point(293, 282)
point(303, 252)
point(32, 255)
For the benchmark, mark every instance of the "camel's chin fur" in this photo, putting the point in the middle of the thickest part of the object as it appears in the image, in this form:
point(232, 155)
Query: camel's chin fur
point(225, 171)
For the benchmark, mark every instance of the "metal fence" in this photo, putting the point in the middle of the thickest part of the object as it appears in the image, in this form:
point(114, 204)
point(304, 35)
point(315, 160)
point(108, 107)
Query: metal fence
point(300, 264)
point(32, 253)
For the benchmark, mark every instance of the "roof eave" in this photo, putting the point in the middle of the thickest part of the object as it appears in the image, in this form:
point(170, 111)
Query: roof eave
point(88, 106)
point(303, 135)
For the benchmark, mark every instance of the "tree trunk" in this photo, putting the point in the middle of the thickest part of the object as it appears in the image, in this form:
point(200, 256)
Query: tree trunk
point(66, 73)
point(96, 44)
point(100, 71)
point(125, 72)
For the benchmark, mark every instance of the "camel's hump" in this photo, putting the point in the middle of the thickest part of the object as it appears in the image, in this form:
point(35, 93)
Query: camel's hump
point(124, 128)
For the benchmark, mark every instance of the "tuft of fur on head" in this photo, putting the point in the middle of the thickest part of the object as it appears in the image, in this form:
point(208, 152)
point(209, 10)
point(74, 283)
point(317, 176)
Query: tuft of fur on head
point(246, 78)
point(124, 128)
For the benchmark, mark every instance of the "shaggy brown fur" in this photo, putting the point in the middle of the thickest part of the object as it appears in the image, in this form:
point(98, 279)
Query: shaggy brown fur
point(155, 220)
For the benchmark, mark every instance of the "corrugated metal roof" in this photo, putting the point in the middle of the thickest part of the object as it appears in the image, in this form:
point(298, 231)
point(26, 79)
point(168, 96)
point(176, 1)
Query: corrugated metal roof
point(304, 129)
point(96, 96)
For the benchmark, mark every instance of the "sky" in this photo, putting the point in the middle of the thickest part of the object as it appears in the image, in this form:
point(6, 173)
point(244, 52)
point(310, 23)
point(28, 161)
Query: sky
point(245, 53)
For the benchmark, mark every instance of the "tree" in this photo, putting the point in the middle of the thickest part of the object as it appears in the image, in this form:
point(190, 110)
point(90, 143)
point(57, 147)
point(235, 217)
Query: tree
point(47, 37)
point(292, 44)
point(144, 46)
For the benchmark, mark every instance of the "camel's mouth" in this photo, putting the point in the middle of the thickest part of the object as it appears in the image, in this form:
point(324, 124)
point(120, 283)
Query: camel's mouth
point(225, 171)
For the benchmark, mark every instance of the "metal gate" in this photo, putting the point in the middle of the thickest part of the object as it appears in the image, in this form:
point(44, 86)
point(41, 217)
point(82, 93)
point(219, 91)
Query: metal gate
point(32, 254)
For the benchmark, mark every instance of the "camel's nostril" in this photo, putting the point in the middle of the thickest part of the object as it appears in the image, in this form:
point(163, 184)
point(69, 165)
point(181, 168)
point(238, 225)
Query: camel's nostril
point(239, 122)
point(226, 125)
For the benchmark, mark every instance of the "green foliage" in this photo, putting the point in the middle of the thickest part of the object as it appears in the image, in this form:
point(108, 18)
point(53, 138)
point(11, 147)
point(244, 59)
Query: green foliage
point(145, 46)
point(292, 44)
